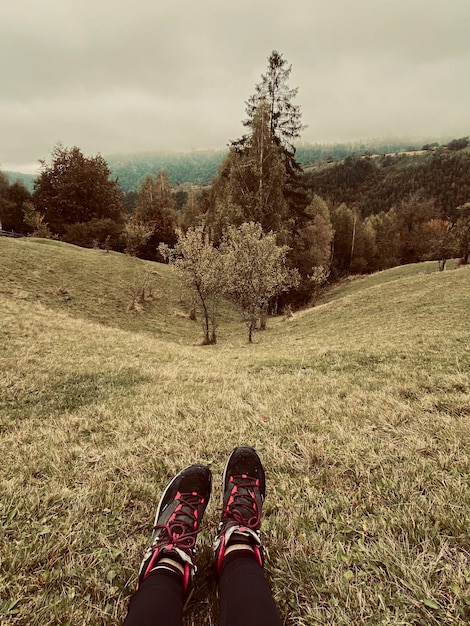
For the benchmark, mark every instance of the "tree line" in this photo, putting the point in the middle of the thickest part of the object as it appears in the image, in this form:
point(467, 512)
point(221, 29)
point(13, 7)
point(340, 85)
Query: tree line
point(359, 215)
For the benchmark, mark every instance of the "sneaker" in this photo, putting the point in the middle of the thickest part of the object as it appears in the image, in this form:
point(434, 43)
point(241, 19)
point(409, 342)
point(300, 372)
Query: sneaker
point(177, 520)
point(244, 488)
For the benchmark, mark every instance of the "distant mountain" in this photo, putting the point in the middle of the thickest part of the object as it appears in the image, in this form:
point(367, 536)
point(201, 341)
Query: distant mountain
point(200, 167)
point(26, 179)
point(311, 154)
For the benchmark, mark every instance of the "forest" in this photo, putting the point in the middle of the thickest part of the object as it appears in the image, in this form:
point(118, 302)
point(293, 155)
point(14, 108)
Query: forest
point(339, 209)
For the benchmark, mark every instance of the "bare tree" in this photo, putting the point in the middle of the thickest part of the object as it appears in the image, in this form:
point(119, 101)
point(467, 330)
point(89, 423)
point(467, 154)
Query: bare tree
point(198, 263)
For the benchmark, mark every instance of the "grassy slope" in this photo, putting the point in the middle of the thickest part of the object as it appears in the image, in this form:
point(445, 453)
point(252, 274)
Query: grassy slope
point(359, 407)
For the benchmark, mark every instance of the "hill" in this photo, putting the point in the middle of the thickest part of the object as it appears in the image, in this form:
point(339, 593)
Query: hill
point(359, 408)
point(376, 183)
point(200, 167)
point(26, 179)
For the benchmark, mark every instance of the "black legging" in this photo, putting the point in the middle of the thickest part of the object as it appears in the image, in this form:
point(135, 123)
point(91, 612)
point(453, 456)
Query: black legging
point(245, 596)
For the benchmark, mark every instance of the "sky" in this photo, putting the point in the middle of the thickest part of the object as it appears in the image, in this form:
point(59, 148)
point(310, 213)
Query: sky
point(121, 77)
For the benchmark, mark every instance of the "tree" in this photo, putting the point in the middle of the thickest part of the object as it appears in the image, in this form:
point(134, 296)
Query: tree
point(12, 203)
point(342, 219)
point(284, 116)
point(461, 232)
point(35, 221)
point(285, 125)
point(254, 270)
point(441, 245)
point(412, 214)
point(136, 235)
point(155, 207)
point(96, 233)
point(458, 144)
point(192, 213)
point(74, 188)
point(386, 240)
point(198, 263)
point(6, 206)
point(313, 246)
point(252, 185)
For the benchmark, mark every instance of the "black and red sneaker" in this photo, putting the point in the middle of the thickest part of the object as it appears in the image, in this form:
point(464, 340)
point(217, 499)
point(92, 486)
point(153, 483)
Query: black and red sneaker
point(177, 521)
point(244, 488)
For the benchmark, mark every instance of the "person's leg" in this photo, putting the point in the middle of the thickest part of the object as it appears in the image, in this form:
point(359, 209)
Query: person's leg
point(245, 596)
point(167, 569)
point(158, 601)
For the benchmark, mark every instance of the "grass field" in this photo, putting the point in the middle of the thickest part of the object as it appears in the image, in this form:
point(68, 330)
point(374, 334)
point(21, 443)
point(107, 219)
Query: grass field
point(359, 407)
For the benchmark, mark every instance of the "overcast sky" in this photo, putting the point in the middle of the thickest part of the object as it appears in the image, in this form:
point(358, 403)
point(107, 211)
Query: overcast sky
point(112, 76)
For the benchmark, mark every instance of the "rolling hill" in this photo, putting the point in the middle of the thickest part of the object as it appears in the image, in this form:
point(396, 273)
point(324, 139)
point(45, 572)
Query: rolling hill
point(359, 408)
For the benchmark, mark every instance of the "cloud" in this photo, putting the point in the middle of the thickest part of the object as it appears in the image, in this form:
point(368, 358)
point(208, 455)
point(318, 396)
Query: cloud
point(113, 76)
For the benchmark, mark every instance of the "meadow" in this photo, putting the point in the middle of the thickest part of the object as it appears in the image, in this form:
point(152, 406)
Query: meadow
point(359, 408)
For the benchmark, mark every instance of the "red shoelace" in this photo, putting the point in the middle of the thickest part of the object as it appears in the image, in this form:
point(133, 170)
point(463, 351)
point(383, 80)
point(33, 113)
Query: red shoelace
point(242, 505)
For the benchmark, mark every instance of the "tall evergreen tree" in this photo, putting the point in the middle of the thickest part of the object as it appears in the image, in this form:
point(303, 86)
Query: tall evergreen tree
point(284, 116)
point(257, 176)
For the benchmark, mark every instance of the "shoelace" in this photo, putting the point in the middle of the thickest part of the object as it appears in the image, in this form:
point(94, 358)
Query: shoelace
point(242, 505)
point(181, 529)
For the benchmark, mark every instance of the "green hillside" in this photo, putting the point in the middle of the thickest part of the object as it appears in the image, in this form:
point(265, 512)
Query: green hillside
point(359, 408)
point(377, 183)
point(26, 179)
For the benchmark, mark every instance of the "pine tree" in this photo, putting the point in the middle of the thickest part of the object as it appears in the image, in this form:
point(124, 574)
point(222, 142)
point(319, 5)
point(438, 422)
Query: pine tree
point(257, 177)
point(284, 116)
point(285, 124)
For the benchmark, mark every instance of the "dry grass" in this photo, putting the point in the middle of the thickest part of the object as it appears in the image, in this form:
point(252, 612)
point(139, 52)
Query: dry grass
point(359, 408)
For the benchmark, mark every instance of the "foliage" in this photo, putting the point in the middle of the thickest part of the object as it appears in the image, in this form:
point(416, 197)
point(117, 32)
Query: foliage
point(5, 203)
point(199, 265)
point(197, 167)
point(375, 185)
point(255, 270)
point(385, 245)
point(155, 207)
point(439, 241)
point(461, 232)
point(251, 183)
point(35, 220)
point(458, 144)
point(274, 93)
point(136, 235)
point(74, 189)
point(192, 214)
point(26, 180)
point(412, 215)
point(313, 247)
point(13, 197)
point(96, 233)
